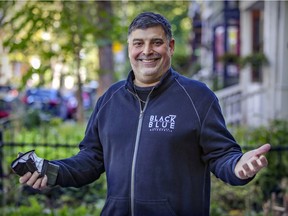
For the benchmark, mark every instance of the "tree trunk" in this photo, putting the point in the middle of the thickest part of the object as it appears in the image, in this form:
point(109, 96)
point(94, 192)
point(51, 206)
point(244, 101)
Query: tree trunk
point(106, 62)
point(80, 109)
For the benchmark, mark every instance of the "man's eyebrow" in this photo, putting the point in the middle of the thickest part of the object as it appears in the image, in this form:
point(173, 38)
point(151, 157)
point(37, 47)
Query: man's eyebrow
point(157, 39)
point(153, 39)
point(137, 39)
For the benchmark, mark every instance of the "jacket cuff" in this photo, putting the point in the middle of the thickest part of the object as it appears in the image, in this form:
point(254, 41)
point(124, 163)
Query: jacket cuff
point(51, 170)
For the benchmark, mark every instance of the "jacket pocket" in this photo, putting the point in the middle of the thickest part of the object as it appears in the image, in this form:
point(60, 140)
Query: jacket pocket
point(116, 206)
point(154, 208)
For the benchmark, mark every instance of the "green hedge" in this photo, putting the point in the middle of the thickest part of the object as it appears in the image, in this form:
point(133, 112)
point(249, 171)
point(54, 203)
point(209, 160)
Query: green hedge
point(248, 200)
point(245, 200)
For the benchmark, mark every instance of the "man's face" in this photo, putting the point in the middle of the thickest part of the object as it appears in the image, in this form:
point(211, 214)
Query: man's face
point(150, 54)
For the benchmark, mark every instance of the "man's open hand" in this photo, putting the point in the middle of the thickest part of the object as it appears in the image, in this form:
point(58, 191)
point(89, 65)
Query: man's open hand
point(251, 162)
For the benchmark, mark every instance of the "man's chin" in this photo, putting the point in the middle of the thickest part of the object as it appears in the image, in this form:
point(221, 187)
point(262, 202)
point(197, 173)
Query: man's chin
point(148, 73)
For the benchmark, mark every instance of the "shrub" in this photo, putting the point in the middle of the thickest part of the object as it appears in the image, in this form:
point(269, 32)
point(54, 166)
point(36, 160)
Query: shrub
point(249, 199)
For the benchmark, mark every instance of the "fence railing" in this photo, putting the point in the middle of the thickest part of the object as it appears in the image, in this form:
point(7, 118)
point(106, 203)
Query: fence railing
point(9, 149)
point(44, 146)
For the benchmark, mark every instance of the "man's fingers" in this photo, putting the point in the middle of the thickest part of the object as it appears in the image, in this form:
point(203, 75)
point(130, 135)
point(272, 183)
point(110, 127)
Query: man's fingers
point(263, 160)
point(37, 184)
point(44, 182)
point(23, 179)
point(33, 179)
point(248, 171)
point(255, 165)
point(242, 174)
point(250, 168)
point(252, 162)
point(41, 183)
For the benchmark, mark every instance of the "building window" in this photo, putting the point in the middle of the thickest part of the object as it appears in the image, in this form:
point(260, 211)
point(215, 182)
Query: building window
point(257, 41)
point(232, 4)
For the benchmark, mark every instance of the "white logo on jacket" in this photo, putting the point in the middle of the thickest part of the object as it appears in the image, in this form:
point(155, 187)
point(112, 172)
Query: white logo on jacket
point(162, 123)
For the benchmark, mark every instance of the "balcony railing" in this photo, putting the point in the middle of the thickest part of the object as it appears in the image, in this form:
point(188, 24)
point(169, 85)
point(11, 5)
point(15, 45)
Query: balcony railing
point(242, 106)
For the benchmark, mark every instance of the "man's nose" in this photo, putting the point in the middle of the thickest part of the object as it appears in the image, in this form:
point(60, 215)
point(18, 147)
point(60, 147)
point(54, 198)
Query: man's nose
point(147, 49)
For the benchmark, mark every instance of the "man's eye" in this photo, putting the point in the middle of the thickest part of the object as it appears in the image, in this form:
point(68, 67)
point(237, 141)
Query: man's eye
point(158, 43)
point(137, 44)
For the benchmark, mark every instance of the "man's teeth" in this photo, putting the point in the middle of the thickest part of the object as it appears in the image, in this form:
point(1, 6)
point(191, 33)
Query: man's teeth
point(148, 60)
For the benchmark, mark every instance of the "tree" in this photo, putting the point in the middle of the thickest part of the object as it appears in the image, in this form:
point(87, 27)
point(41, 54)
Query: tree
point(77, 27)
point(5, 6)
point(73, 28)
point(106, 71)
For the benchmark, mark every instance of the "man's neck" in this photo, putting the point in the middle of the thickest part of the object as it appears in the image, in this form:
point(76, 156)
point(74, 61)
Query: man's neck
point(141, 84)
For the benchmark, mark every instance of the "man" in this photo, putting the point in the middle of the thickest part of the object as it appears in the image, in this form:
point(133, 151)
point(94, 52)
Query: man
point(157, 135)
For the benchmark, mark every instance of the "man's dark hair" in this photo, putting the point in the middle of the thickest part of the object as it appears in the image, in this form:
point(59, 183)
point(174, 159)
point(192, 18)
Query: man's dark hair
point(149, 19)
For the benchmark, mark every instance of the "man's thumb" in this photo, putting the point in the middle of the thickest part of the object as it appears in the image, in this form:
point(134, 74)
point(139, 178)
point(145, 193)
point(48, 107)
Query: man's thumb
point(263, 149)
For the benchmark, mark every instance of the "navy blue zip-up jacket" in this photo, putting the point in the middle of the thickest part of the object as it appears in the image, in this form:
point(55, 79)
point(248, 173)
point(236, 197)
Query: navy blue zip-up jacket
point(157, 160)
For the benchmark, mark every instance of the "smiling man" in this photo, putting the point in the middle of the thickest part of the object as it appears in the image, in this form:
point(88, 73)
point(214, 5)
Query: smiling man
point(150, 53)
point(156, 135)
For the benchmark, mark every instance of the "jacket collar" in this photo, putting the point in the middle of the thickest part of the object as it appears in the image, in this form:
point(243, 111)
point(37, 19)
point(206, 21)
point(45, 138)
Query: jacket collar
point(165, 81)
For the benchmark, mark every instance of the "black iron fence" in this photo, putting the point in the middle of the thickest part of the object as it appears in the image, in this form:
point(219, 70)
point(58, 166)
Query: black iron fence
point(48, 147)
point(59, 148)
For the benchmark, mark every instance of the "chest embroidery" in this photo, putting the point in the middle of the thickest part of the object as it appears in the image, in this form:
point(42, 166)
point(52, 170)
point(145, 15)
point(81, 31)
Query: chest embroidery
point(162, 123)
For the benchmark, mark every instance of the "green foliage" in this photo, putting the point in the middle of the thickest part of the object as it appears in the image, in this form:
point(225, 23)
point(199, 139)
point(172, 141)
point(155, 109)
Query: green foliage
point(277, 171)
point(195, 68)
point(77, 27)
point(87, 200)
point(255, 60)
point(72, 26)
point(234, 200)
point(32, 119)
point(56, 133)
point(230, 58)
point(180, 62)
point(36, 208)
point(248, 200)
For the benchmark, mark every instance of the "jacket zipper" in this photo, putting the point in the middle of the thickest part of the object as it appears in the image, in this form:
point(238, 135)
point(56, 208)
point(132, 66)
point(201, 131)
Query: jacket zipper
point(134, 161)
point(135, 153)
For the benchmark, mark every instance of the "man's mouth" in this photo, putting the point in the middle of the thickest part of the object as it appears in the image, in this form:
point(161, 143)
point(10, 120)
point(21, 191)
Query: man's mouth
point(149, 60)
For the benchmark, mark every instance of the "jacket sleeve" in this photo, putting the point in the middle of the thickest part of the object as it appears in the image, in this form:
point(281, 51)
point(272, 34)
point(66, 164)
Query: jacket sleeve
point(220, 149)
point(87, 165)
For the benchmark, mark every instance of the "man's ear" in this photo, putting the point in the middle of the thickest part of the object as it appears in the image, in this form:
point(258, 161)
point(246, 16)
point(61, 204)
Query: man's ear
point(172, 45)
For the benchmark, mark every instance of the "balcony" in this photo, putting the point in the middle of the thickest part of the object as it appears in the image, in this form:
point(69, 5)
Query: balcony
point(243, 107)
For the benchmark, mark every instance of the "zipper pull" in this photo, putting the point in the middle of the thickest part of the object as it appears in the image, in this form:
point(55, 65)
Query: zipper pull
point(141, 114)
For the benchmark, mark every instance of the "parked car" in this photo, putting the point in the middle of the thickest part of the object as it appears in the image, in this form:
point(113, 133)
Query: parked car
point(47, 100)
point(8, 91)
point(71, 104)
point(9, 102)
point(5, 108)
point(72, 101)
